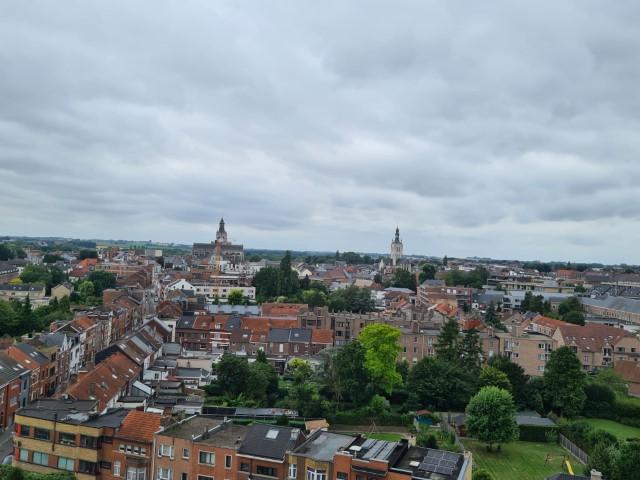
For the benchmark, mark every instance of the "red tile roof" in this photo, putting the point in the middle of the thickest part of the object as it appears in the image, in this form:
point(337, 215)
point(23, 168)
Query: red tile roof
point(592, 337)
point(322, 336)
point(106, 381)
point(139, 426)
point(283, 309)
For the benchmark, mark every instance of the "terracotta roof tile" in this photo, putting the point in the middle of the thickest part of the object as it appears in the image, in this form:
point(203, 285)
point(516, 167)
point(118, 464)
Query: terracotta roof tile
point(322, 336)
point(139, 426)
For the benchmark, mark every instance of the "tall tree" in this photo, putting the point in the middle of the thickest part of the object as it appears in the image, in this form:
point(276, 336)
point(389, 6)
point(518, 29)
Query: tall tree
point(381, 346)
point(102, 281)
point(448, 340)
point(352, 377)
point(492, 377)
point(428, 272)
point(471, 350)
point(440, 384)
point(404, 279)
point(233, 374)
point(491, 417)
point(564, 382)
point(515, 374)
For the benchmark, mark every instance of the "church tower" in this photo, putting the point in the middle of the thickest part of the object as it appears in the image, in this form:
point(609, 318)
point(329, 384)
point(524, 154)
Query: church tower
point(396, 248)
point(221, 234)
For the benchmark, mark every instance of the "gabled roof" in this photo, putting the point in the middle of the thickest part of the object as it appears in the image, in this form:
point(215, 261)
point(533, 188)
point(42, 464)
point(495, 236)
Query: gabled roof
point(592, 337)
point(32, 353)
point(290, 335)
point(321, 336)
point(139, 426)
point(23, 287)
point(10, 369)
point(269, 441)
point(106, 381)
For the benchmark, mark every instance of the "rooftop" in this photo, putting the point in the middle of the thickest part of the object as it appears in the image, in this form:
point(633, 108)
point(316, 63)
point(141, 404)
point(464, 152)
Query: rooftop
point(432, 464)
point(323, 445)
point(269, 441)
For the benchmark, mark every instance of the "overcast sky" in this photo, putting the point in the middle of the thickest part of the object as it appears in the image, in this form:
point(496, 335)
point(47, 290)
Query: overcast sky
point(505, 129)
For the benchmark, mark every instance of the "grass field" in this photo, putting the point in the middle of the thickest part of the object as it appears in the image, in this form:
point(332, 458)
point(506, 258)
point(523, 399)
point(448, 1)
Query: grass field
point(391, 437)
point(519, 460)
point(618, 429)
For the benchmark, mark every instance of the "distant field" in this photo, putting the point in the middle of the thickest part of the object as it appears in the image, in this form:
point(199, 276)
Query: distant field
point(622, 432)
point(520, 460)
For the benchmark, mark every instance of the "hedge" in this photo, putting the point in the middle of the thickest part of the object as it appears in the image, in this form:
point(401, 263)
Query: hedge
point(358, 418)
point(536, 433)
point(7, 471)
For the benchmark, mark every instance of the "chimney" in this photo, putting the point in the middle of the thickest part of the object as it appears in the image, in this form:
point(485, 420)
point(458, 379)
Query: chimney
point(596, 475)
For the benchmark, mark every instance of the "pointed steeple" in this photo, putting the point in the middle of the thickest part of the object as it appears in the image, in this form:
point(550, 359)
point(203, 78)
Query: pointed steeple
point(397, 239)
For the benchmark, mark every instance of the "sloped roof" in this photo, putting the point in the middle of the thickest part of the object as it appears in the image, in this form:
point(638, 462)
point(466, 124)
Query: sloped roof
point(140, 426)
point(592, 337)
point(268, 441)
point(322, 336)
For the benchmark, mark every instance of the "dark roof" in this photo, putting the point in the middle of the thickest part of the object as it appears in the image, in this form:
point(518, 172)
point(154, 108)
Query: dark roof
point(269, 441)
point(429, 463)
point(72, 411)
point(186, 321)
point(289, 335)
point(566, 476)
point(33, 353)
point(10, 369)
point(323, 445)
point(23, 287)
point(191, 372)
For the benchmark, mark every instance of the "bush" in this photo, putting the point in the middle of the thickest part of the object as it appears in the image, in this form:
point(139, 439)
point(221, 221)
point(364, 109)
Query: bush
point(578, 433)
point(535, 433)
point(482, 474)
point(427, 440)
point(600, 437)
point(359, 417)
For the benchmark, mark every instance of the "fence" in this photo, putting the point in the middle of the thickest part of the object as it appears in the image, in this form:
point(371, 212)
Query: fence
point(574, 449)
point(447, 427)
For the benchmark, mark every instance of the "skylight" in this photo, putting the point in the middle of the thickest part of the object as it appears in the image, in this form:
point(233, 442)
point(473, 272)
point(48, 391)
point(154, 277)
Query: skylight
point(272, 434)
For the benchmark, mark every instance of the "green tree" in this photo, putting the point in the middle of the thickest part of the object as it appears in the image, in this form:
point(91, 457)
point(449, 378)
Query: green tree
point(314, 298)
point(86, 290)
point(445, 261)
point(608, 377)
point(447, 345)
point(471, 351)
point(235, 297)
point(482, 474)
point(262, 384)
point(627, 461)
point(492, 377)
point(564, 382)
point(439, 384)
point(490, 417)
point(516, 376)
point(574, 317)
point(381, 346)
point(492, 318)
point(267, 283)
point(86, 253)
point(51, 258)
point(6, 253)
point(351, 299)
point(569, 305)
point(299, 370)
point(428, 272)
point(8, 320)
point(352, 377)
point(404, 279)
point(102, 281)
point(233, 374)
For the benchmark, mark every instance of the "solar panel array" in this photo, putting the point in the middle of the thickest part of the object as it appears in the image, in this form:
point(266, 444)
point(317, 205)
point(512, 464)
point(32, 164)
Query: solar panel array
point(439, 461)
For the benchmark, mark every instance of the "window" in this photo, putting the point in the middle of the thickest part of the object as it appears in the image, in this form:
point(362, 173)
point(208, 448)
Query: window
point(342, 476)
point(23, 430)
point(185, 453)
point(165, 451)
point(24, 455)
point(227, 461)
point(86, 467)
point(184, 476)
point(105, 465)
point(41, 434)
point(66, 438)
point(88, 442)
point(40, 458)
point(164, 474)
point(268, 471)
point(244, 467)
point(281, 347)
point(136, 473)
point(293, 471)
point(207, 458)
point(116, 468)
point(204, 477)
point(65, 463)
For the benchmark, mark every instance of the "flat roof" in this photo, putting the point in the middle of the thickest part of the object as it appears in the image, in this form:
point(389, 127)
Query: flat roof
point(323, 445)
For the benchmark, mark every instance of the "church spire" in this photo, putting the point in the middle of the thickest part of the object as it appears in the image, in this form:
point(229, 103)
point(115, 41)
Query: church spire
point(397, 239)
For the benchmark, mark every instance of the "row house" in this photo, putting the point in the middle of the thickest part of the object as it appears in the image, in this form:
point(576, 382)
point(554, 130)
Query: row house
point(66, 436)
point(206, 333)
point(598, 346)
point(44, 369)
point(14, 388)
point(203, 448)
point(107, 382)
point(142, 347)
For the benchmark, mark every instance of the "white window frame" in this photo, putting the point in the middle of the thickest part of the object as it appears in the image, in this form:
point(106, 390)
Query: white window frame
point(185, 450)
point(116, 468)
point(66, 461)
point(41, 455)
point(213, 457)
point(162, 470)
point(293, 471)
point(165, 451)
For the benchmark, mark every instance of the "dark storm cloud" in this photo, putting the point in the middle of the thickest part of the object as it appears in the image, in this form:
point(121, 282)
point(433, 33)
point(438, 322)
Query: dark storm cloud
point(506, 129)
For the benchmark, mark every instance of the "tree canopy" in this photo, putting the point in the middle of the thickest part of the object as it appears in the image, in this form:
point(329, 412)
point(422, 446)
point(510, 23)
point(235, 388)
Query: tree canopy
point(381, 347)
point(564, 382)
point(490, 417)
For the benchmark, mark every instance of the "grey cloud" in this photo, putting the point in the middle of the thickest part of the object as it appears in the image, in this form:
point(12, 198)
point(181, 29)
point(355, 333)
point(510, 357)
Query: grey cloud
point(503, 129)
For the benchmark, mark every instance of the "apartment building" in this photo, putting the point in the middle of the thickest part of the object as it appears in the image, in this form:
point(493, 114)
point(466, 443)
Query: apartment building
point(44, 369)
point(528, 349)
point(198, 448)
point(598, 346)
point(14, 389)
point(35, 291)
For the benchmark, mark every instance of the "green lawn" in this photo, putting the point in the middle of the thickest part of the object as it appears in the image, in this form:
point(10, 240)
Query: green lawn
point(520, 460)
point(391, 437)
point(618, 429)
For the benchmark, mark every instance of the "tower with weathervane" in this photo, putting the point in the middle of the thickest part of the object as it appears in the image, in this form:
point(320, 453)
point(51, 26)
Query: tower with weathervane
point(396, 248)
